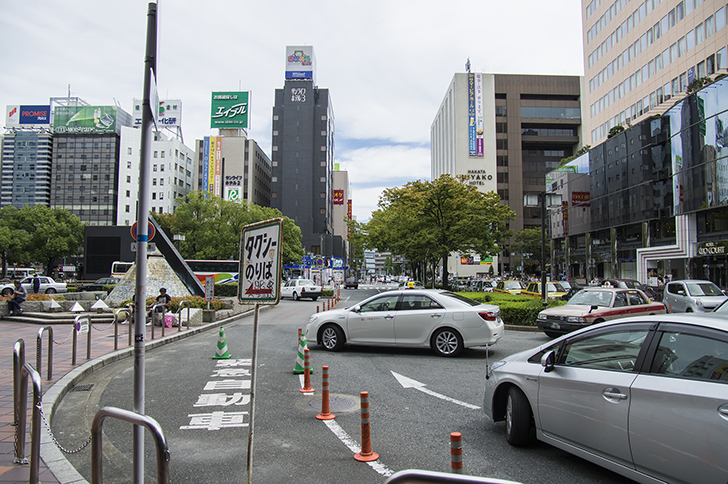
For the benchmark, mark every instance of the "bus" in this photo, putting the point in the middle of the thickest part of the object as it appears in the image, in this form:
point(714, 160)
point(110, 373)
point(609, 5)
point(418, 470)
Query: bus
point(119, 269)
point(223, 270)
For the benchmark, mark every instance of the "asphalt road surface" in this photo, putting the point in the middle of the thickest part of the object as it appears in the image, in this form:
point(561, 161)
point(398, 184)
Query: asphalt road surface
point(203, 405)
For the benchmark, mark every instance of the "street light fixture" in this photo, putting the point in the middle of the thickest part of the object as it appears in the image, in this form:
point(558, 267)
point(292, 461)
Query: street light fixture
point(550, 200)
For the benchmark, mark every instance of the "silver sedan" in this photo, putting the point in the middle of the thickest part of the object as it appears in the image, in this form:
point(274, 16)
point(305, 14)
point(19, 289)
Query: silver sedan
point(646, 397)
point(441, 320)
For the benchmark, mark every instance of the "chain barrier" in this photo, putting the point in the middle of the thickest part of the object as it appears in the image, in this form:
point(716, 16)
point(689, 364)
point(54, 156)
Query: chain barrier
point(53, 438)
point(62, 342)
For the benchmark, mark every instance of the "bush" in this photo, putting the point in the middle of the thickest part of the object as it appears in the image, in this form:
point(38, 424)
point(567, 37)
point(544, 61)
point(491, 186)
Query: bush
point(195, 302)
point(228, 289)
point(35, 297)
point(515, 309)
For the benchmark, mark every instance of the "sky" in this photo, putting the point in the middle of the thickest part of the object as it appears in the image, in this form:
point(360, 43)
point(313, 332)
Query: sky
point(387, 63)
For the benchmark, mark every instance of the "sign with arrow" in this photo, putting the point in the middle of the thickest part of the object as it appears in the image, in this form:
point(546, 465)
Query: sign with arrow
point(410, 383)
point(260, 262)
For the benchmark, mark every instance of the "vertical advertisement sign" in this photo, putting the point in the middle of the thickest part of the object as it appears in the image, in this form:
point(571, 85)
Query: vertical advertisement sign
point(218, 167)
point(211, 165)
point(471, 115)
point(479, 114)
point(348, 214)
point(260, 262)
point(205, 166)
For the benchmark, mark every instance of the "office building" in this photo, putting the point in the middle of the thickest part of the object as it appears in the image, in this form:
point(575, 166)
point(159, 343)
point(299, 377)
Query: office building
point(504, 133)
point(640, 55)
point(302, 154)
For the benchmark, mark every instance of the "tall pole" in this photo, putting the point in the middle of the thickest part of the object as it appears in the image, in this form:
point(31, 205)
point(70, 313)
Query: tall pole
point(150, 67)
point(544, 292)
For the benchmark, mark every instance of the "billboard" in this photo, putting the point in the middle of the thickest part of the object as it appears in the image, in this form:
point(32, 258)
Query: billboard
point(84, 119)
point(170, 113)
point(300, 62)
point(338, 197)
point(27, 116)
point(229, 109)
point(212, 166)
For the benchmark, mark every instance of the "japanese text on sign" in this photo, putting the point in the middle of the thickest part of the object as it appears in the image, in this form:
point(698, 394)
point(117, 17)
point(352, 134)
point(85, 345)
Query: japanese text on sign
point(261, 261)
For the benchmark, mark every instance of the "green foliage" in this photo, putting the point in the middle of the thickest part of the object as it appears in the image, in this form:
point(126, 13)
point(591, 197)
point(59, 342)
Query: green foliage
point(39, 234)
point(228, 289)
point(528, 241)
point(698, 84)
point(426, 221)
point(615, 131)
point(515, 309)
point(197, 302)
point(212, 227)
point(581, 151)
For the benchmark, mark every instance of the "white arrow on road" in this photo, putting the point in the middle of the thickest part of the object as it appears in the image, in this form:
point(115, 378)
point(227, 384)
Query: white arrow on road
point(410, 383)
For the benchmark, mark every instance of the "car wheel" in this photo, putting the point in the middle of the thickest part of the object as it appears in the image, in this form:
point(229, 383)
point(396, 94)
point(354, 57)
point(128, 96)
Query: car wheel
point(7, 291)
point(295, 296)
point(50, 290)
point(447, 342)
point(519, 419)
point(552, 334)
point(332, 337)
point(689, 310)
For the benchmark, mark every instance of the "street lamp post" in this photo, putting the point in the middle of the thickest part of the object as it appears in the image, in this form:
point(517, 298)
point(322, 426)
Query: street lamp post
point(542, 199)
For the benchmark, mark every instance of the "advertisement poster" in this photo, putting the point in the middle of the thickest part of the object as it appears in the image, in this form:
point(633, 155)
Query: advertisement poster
point(229, 110)
point(84, 119)
point(260, 262)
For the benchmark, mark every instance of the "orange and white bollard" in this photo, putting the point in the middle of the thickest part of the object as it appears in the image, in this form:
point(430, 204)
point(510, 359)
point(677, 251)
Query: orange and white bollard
point(366, 454)
point(306, 374)
point(300, 332)
point(325, 413)
point(456, 452)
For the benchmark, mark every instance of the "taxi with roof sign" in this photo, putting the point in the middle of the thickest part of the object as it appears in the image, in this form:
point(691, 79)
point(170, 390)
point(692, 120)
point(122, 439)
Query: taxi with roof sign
point(510, 287)
point(554, 290)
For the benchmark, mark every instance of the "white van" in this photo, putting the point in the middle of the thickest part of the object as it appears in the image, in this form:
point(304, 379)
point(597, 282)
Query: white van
point(20, 272)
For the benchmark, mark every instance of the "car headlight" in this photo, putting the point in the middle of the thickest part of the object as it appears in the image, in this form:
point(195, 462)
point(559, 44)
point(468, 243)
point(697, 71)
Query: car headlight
point(541, 316)
point(497, 365)
point(576, 319)
point(698, 302)
point(313, 318)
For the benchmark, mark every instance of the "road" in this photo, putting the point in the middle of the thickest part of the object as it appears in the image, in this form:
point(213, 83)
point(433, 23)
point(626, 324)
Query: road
point(205, 418)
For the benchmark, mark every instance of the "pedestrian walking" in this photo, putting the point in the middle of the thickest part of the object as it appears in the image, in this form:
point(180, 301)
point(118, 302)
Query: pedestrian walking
point(36, 284)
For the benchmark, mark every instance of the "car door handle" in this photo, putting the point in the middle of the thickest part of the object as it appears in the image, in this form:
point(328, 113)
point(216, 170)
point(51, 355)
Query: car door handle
point(389, 316)
point(723, 411)
point(436, 315)
point(614, 394)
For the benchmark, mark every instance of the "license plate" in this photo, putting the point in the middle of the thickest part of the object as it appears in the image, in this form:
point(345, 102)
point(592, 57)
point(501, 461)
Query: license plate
point(555, 326)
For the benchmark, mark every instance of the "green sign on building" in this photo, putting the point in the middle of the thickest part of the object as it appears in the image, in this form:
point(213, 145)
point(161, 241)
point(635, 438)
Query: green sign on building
point(84, 119)
point(229, 110)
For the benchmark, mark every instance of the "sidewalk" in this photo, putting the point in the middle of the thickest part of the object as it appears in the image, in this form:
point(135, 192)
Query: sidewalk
point(102, 343)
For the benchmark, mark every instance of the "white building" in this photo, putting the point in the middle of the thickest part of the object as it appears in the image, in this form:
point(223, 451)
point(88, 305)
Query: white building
point(172, 173)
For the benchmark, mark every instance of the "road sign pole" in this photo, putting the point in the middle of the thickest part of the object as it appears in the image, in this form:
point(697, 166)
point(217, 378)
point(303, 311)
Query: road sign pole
point(150, 61)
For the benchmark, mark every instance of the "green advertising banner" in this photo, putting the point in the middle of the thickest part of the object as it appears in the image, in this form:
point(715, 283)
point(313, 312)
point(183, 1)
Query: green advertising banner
point(84, 119)
point(229, 110)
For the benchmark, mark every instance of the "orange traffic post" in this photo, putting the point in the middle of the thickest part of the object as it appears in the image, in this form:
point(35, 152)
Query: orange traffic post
point(456, 452)
point(300, 332)
point(306, 374)
point(325, 413)
point(366, 454)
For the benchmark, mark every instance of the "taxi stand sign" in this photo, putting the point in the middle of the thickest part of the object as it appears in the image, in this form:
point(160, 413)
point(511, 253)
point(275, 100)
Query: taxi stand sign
point(261, 262)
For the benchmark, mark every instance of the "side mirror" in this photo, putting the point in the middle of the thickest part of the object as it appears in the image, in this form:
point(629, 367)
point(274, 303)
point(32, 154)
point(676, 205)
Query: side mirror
point(681, 292)
point(548, 360)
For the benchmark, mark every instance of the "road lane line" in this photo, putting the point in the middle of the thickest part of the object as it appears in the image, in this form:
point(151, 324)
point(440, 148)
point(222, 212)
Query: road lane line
point(354, 447)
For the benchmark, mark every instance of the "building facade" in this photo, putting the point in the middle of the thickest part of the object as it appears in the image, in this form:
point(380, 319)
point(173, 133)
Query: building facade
point(639, 55)
point(658, 198)
point(302, 157)
point(504, 133)
point(26, 168)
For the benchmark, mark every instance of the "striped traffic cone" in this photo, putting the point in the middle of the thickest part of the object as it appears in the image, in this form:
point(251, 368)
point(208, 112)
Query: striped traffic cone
point(302, 346)
point(222, 352)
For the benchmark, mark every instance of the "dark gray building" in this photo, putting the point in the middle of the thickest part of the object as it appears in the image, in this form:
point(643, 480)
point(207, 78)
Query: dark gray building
point(302, 158)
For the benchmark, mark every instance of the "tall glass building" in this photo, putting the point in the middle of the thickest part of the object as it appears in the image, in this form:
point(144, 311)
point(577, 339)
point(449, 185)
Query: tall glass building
point(26, 168)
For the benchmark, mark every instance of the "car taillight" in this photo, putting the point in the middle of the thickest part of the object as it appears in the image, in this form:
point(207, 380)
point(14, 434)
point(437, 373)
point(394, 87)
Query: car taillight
point(303, 289)
point(489, 315)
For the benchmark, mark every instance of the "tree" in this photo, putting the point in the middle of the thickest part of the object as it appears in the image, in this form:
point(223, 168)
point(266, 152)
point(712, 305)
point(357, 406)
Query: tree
point(528, 241)
point(212, 227)
point(39, 234)
point(427, 221)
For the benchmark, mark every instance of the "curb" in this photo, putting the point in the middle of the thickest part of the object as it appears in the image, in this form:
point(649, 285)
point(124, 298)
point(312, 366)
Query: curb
point(517, 327)
point(49, 452)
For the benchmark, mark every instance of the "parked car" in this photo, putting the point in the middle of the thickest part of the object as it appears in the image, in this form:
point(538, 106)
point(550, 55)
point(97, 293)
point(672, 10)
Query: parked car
point(351, 283)
point(630, 284)
point(47, 286)
point(510, 287)
point(300, 288)
point(554, 290)
point(594, 305)
point(645, 397)
point(442, 320)
point(98, 285)
point(692, 295)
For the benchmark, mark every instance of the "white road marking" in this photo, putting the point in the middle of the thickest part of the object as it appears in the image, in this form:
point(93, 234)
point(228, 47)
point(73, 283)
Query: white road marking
point(355, 448)
point(410, 383)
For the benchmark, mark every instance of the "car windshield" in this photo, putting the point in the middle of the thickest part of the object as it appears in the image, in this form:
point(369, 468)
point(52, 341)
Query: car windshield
point(704, 289)
point(723, 308)
point(463, 299)
point(513, 285)
point(555, 287)
point(306, 282)
point(592, 298)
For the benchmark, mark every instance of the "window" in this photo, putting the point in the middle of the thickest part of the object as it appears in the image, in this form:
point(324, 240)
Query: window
point(720, 19)
point(155, 154)
point(709, 26)
point(680, 11)
point(673, 52)
point(128, 164)
point(699, 34)
point(681, 49)
point(720, 59)
point(418, 302)
point(154, 195)
point(690, 356)
point(384, 303)
point(689, 4)
point(128, 193)
point(690, 38)
point(126, 209)
point(128, 151)
point(663, 25)
point(128, 179)
point(154, 167)
point(614, 350)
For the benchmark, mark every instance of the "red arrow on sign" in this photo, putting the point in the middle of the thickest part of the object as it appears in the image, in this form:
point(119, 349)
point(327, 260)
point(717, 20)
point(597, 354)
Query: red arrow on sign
point(258, 291)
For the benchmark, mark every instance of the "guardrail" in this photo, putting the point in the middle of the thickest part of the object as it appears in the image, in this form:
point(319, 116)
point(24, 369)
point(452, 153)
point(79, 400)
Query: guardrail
point(179, 315)
point(25, 371)
point(18, 362)
point(78, 327)
point(127, 318)
point(39, 350)
point(154, 428)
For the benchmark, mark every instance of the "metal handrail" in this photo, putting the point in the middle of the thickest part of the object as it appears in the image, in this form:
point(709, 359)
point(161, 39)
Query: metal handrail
point(39, 348)
point(154, 312)
point(154, 428)
point(18, 362)
point(76, 321)
point(27, 369)
point(415, 476)
point(130, 308)
point(127, 318)
point(179, 314)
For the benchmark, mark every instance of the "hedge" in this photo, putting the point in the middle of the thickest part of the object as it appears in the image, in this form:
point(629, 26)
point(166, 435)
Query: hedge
point(515, 309)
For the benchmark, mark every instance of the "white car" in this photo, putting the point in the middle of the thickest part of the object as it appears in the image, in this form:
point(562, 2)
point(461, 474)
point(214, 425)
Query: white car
point(442, 320)
point(298, 288)
point(47, 286)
